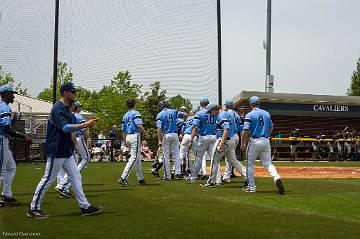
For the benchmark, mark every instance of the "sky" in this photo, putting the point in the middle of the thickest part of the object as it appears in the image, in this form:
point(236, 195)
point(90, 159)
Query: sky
point(315, 44)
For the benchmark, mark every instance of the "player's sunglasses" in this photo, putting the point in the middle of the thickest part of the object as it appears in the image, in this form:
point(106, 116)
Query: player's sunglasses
point(72, 91)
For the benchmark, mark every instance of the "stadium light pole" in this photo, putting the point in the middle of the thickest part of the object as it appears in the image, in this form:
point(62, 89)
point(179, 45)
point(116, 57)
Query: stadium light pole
point(219, 52)
point(56, 39)
point(269, 79)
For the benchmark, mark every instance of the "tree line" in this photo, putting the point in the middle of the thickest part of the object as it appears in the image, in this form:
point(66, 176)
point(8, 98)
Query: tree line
point(109, 103)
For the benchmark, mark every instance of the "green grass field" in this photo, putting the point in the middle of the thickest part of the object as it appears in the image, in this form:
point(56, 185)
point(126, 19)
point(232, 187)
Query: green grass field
point(311, 208)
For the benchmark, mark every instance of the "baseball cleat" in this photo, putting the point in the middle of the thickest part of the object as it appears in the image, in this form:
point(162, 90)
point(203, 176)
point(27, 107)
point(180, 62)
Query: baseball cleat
point(38, 214)
point(226, 180)
point(141, 182)
point(178, 177)
point(246, 184)
point(123, 182)
point(10, 201)
point(165, 179)
point(280, 186)
point(2, 204)
point(63, 192)
point(248, 190)
point(207, 185)
point(90, 211)
point(153, 172)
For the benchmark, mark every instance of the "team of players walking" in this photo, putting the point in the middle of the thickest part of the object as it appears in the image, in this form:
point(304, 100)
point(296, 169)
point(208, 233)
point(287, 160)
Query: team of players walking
point(206, 130)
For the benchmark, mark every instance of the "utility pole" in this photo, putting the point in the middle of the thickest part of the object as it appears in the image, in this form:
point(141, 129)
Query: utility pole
point(56, 39)
point(219, 52)
point(269, 79)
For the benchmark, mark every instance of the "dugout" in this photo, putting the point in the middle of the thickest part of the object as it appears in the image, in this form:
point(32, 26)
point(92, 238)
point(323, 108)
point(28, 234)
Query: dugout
point(312, 114)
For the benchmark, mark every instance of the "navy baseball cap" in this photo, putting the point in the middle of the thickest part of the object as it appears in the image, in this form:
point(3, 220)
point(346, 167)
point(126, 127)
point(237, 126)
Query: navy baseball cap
point(204, 100)
point(7, 89)
point(228, 102)
point(254, 100)
point(67, 87)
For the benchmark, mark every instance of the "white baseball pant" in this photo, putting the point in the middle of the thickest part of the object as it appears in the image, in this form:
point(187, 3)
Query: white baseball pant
point(259, 148)
point(63, 181)
point(53, 166)
point(184, 150)
point(7, 167)
point(133, 141)
point(229, 168)
point(229, 153)
point(170, 143)
point(204, 144)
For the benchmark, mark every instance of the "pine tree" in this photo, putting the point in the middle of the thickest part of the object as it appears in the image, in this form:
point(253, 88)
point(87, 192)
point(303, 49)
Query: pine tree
point(354, 89)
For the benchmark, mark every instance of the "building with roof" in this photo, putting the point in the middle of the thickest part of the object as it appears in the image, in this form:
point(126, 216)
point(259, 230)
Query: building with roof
point(312, 114)
point(35, 113)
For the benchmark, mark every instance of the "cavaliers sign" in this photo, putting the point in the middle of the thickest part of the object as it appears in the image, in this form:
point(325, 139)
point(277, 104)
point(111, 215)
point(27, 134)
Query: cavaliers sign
point(331, 108)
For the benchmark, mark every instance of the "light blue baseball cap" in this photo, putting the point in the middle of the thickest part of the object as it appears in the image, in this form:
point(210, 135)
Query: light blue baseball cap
point(254, 100)
point(7, 89)
point(77, 104)
point(228, 102)
point(212, 107)
point(204, 100)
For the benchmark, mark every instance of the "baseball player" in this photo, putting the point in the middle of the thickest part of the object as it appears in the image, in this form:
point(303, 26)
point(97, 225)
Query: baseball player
point(166, 123)
point(63, 180)
point(204, 102)
point(184, 147)
point(132, 127)
point(293, 144)
point(259, 126)
point(7, 163)
point(59, 150)
point(224, 146)
point(236, 126)
point(204, 130)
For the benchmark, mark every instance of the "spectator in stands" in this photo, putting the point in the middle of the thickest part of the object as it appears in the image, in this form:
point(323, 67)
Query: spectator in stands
point(114, 136)
point(101, 139)
point(295, 134)
point(146, 151)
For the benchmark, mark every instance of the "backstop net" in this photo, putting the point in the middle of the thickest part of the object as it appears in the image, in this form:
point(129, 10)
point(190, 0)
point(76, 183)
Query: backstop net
point(171, 41)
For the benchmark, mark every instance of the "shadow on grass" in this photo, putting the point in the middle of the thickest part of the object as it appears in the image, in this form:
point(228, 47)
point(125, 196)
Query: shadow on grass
point(78, 214)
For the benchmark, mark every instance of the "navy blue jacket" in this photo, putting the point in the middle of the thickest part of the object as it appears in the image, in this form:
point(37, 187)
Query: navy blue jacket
point(58, 143)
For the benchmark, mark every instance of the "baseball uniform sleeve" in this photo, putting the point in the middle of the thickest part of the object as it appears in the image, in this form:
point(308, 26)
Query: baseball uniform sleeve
point(137, 119)
point(159, 121)
point(5, 117)
point(247, 122)
point(123, 124)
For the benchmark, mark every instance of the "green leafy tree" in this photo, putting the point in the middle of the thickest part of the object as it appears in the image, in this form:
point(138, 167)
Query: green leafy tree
point(109, 104)
point(7, 78)
point(354, 89)
point(64, 75)
point(148, 107)
point(178, 101)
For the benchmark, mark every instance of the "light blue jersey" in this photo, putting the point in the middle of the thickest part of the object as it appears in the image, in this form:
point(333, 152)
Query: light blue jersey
point(222, 123)
point(166, 120)
point(206, 123)
point(79, 120)
point(130, 122)
point(239, 123)
point(188, 125)
point(259, 123)
point(5, 117)
point(232, 116)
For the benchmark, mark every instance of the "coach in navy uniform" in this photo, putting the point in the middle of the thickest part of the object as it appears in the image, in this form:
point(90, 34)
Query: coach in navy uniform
point(59, 150)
